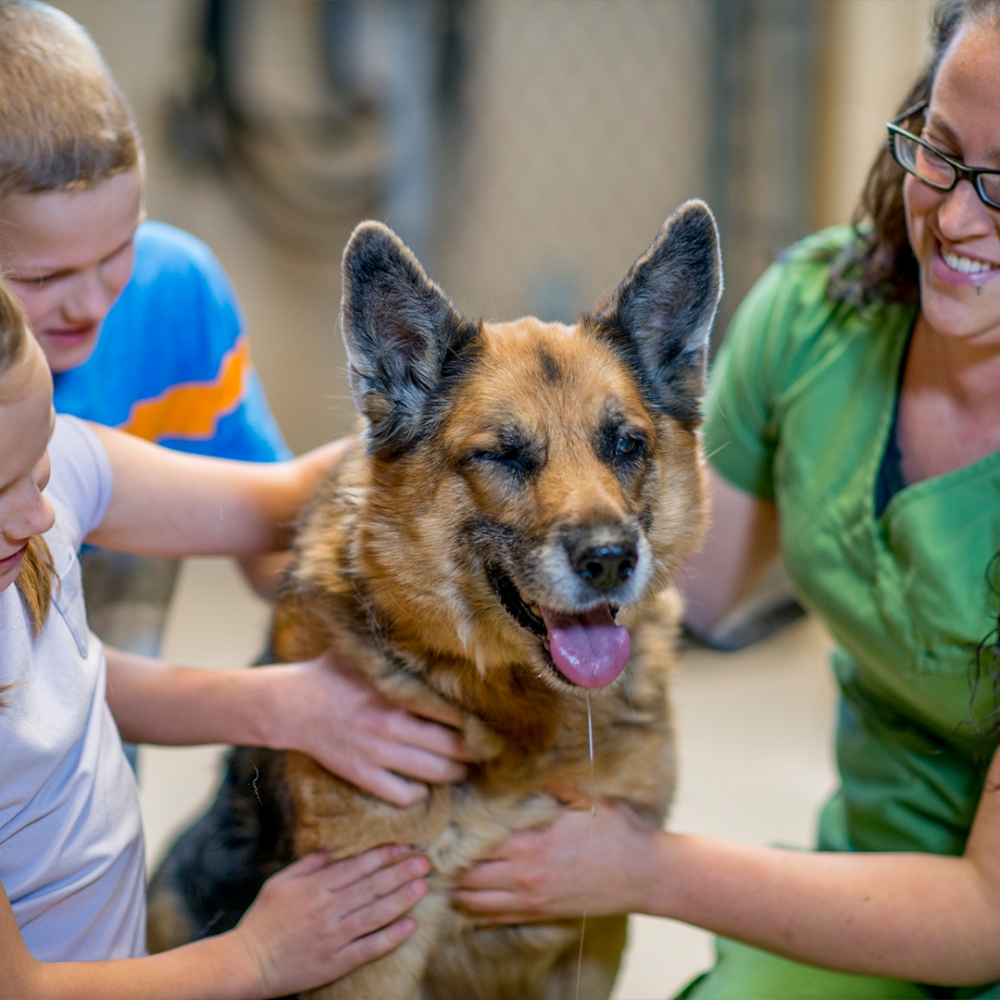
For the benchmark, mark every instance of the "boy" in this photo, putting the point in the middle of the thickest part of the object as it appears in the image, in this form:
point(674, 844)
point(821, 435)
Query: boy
point(137, 319)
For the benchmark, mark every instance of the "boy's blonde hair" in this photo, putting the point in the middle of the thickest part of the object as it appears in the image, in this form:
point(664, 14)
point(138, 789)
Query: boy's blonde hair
point(64, 124)
point(37, 571)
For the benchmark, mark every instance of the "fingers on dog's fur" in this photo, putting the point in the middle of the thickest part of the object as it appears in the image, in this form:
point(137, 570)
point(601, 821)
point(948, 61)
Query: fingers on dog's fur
point(660, 316)
point(406, 342)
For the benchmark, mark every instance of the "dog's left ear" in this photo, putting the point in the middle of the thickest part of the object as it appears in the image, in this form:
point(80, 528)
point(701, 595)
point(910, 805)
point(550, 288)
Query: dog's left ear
point(404, 339)
point(660, 317)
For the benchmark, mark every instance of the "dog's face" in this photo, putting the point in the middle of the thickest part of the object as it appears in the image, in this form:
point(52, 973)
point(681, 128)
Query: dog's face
point(532, 484)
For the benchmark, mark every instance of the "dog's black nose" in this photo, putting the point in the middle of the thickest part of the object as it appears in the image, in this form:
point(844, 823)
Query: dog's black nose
point(604, 567)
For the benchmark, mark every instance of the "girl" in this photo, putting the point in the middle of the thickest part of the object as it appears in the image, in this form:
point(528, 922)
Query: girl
point(72, 894)
point(854, 419)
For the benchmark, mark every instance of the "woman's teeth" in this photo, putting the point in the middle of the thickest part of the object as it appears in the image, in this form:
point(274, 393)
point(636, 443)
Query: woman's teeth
point(964, 264)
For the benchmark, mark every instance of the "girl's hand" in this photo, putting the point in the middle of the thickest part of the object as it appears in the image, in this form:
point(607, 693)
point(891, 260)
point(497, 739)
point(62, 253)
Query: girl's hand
point(315, 922)
point(579, 865)
point(337, 716)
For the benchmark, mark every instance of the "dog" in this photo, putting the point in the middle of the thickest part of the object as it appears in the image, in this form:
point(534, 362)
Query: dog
point(501, 541)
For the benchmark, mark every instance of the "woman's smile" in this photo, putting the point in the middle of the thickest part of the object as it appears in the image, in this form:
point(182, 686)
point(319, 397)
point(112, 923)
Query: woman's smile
point(961, 269)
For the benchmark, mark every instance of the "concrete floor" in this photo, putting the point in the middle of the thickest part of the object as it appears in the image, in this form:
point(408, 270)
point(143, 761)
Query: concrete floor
point(755, 750)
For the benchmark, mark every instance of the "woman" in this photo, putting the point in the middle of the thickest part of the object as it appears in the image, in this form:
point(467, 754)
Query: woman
point(854, 422)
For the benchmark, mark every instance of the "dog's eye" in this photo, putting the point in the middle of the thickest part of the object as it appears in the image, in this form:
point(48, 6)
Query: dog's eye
point(512, 459)
point(629, 447)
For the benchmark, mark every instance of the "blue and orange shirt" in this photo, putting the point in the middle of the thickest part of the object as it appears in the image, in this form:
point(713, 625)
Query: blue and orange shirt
point(172, 364)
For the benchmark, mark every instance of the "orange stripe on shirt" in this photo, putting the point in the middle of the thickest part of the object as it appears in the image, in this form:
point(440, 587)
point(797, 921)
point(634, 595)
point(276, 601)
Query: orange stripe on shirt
point(192, 409)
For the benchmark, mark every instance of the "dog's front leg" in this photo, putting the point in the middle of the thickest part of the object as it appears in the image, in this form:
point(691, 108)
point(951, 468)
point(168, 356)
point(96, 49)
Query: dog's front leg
point(398, 975)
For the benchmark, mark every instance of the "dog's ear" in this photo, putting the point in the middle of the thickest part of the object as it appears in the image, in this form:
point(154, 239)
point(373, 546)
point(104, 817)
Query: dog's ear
point(660, 317)
point(405, 340)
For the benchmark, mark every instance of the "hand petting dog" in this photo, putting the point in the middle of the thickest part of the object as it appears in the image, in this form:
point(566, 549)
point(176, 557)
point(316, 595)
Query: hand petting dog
point(320, 707)
point(579, 864)
point(337, 716)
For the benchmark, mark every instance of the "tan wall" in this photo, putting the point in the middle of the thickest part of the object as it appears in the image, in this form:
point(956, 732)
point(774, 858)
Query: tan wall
point(871, 52)
point(589, 123)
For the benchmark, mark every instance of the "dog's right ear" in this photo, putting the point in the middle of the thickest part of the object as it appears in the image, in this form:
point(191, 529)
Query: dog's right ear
point(404, 339)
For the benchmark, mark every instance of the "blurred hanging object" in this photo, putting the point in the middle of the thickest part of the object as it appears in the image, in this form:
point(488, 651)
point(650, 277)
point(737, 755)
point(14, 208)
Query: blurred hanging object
point(320, 111)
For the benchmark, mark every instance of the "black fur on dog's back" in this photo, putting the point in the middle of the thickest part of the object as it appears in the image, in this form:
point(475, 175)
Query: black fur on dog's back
point(215, 869)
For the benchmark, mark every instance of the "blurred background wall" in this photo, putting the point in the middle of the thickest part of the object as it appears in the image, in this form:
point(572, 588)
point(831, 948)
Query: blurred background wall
point(527, 151)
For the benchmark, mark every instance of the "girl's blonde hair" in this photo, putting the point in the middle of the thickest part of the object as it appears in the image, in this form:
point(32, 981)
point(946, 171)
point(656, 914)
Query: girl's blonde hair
point(37, 574)
point(64, 123)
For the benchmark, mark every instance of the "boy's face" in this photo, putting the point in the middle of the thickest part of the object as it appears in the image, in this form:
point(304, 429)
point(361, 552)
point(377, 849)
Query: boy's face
point(67, 256)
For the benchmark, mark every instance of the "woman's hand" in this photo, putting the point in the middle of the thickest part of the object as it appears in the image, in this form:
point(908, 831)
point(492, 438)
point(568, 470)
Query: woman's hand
point(338, 717)
point(315, 922)
point(578, 865)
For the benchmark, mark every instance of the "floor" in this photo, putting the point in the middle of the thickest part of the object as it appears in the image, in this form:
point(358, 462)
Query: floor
point(755, 749)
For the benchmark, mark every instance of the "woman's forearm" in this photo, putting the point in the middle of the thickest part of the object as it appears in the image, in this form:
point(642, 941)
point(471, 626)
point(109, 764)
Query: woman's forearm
point(917, 917)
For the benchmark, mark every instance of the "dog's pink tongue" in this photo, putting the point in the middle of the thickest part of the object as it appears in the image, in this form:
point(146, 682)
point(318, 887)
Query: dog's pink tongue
point(589, 649)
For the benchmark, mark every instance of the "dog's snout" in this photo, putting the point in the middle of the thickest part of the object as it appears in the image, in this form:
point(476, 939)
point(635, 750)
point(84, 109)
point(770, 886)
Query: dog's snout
point(605, 567)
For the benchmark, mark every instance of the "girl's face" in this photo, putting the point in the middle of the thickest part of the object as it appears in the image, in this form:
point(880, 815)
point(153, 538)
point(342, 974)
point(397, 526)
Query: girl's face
point(27, 418)
point(955, 237)
point(67, 255)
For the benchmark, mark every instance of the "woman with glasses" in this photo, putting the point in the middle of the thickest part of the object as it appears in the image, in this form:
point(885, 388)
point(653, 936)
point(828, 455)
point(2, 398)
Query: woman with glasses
point(854, 426)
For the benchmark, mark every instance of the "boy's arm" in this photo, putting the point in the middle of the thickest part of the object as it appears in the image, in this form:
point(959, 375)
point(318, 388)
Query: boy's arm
point(165, 503)
point(312, 923)
point(331, 714)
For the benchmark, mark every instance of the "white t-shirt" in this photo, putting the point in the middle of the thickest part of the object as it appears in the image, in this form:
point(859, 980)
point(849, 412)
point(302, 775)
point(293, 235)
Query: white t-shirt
point(71, 851)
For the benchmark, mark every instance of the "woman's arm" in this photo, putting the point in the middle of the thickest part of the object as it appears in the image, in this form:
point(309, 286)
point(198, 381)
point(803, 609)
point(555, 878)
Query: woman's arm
point(319, 707)
point(740, 547)
point(165, 503)
point(917, 917)
point(311, 924)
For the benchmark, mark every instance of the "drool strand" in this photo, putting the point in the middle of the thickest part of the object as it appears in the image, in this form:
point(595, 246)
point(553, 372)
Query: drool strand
point(593, 814)
point(593, 782)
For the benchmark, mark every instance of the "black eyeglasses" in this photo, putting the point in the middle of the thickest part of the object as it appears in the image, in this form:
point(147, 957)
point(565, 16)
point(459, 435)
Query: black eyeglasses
point(933, 167)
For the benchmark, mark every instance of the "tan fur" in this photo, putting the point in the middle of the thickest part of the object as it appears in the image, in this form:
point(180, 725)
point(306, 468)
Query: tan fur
point(378, 576)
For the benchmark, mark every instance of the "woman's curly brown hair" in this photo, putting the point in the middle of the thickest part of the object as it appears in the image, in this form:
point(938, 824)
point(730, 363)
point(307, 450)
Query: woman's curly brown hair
point(881, 264)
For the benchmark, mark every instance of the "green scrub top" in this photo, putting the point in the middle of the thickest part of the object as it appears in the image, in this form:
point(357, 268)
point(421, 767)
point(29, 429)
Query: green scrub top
point(800, 409)
point(801, 405)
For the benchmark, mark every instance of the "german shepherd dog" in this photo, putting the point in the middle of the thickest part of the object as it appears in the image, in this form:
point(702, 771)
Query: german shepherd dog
point(500, 540)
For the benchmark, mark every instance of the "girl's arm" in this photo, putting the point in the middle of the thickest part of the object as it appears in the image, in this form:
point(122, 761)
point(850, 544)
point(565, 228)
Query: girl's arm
point(918, 917)
point(311, 924)
point(319, 707)
point(165, 503)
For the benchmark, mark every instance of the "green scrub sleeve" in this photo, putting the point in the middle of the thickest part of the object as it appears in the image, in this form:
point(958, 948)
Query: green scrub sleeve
point(739, 434)
point(769, 342)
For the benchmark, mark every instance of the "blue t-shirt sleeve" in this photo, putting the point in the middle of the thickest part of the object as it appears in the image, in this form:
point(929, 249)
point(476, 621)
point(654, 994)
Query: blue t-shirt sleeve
point(81, 477)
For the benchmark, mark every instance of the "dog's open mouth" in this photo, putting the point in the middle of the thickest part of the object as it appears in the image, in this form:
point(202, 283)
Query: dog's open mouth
point(587, 649)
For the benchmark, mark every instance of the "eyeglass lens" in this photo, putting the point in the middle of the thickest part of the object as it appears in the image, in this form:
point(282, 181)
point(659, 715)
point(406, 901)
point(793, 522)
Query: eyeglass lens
point(938, 172)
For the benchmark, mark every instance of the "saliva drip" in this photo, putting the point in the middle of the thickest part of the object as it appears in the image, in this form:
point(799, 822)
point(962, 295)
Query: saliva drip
point(590, 742)
point(593, 815)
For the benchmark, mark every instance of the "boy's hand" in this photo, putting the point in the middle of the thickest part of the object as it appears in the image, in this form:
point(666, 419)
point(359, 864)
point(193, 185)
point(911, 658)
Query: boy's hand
point(337, 716)
point(315, 922)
